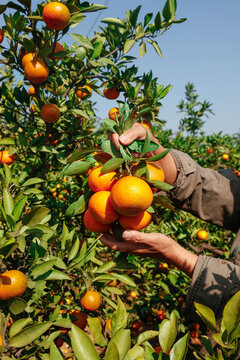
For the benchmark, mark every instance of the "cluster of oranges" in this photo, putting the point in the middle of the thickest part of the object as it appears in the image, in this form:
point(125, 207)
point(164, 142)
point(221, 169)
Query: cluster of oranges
point(125, 200)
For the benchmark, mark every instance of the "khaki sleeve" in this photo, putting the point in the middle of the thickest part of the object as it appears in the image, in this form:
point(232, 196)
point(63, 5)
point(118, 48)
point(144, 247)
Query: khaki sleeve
point(213, 283)
point(208, 194)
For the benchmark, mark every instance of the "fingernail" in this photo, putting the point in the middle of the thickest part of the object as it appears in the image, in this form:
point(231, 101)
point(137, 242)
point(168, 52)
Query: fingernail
point(126, 234)
point(123, 138)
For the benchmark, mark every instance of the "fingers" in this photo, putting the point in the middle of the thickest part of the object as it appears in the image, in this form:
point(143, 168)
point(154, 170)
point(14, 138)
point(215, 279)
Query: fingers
point(115, 140)
point(110, 241)
point(137, 131)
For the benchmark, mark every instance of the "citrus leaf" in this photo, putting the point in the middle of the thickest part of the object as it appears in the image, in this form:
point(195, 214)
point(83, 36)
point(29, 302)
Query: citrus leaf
point(207, 315)
point(95, 328)
point(128, 45)
point(159, 156)
point(113, 21)
point(75, 168)
point(54, 352)
point(112, 165)
point(18, 326)
point(179, 349)
point(8, 202)
point(168, 332)
point(32, 181)
point(146, 335)
point(82, 345)
point(35, 216)
point(29, 334)
point(83, 40)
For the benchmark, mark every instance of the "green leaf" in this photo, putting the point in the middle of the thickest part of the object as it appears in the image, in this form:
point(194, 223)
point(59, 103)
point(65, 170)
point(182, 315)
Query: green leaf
point(179, 349)
point(18, 326)
point(112, 165)
point(8, 175)
point(161, 185)
point(55, 353)
point(7, 141)
point(79, 154)
point(112, 352)
point(231, 314)
point(32, 181)
point(207, 315)
point(83, 40)
point(119, 317)
point(158, 21)
point(122, 340)
point(168, 332)
point(35, 216)
point(114, 21)
point(159, 156)
point(17, 306)
point(128, 45)
point(74, 250)
point(3, 8)
point(207, 343)
point(95, 328)
point(157, 48)
point(164, 92)
point(75, 168)
point(8, 202)
point(146, 335)
point(134, 16)
point(125, 279)
point(135, 353)
point(78, 207)
point(106, 267)
point(138, 146)
point(147, 144)
point(18, 208)
point(147, 18)
point(43, 268)
point(29, 334)
point(142, 49)
point(82, 345)
point(169, 9)
point(7, 249)
point(54, 275)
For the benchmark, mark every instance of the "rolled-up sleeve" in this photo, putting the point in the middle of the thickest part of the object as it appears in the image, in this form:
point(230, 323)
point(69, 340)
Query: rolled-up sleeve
point(208, 194)
point(213, 283)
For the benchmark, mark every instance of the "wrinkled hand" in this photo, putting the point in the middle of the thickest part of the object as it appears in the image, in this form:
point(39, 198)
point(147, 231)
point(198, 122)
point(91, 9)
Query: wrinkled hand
point(155, 245)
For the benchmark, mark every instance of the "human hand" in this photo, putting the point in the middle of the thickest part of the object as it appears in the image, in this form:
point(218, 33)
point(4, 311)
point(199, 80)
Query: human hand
point(138, 132)
point(155, 245)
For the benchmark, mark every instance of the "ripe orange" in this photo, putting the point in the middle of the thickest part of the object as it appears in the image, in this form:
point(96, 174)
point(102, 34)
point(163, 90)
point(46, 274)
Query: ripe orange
point(155, 172)
point(36, 71)
point(136, 325)
point(194, 334)
point(6, 158)
point(12, 283)
point(32, 109)
point(210, 151)
point(31, 91)
point(111, 93)
point(84, 92)
point(1, 36)
point(81, 321)
point(202, 235)
point(91, 300)
point(98, 181)
point(137, 222)
point(28, 57)
point(112, 112)
point(50, 113)
point(57, 49)
point(93, 225)
point(56, 15)
point(101, 207)
point(161, 314)
point(147, 125)
point(225, 156)
point(133, 294)
point(131, 196)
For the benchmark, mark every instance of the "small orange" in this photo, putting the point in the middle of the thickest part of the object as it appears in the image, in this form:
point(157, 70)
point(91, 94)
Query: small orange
point(32, 109)
point(101, 207)
point(56, 15)
point(12, 283)
point(84, 92)
point(202, 235)
point(112, 283)
point(138, 222)
point(31, 91)
point(28, 57)
point(1, 341)
point(91, 300)
point(194, 334)
point(93, 225)
point(36, 71)
point(111, 93)
point(161, 314)
point(112, 112)
point(210, 151)
point(58, 48)
point(131, 196)
point(50, 113)
point(6, 158)
point(146, 124)
point(1, 36)
point(98, 181)
point(133, 294)
point(81, 316)
point(225, 156)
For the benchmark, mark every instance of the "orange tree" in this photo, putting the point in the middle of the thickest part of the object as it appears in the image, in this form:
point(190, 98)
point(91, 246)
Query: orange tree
point(48, 122)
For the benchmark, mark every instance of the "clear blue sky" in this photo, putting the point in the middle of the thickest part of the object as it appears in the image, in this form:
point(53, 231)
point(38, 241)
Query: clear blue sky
point(204, 50)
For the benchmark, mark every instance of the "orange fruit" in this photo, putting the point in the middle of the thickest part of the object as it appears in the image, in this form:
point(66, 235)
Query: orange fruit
point(112, 283)
point(1, 36)
point(50, 113)
point(31, 91)
point(84, 92)
point(155, 172)
point(112, 112)
point(225, 156)
point(91, 300)
point(56, 15)
point(12, 283)
point(93, 225)
point(136, 325)
point(98, 181)
point(32, 109)
point(28, 57)
point(137, 222)
point(36, 71)
point(210, 151)
point(101, 207)
point(131, 196)
point(202, 235)
point(111, 93)
point(161, 314)
point(57, 49)
point(81, 321)
point(6, 158)
point(133, 294)
point(147, 125)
